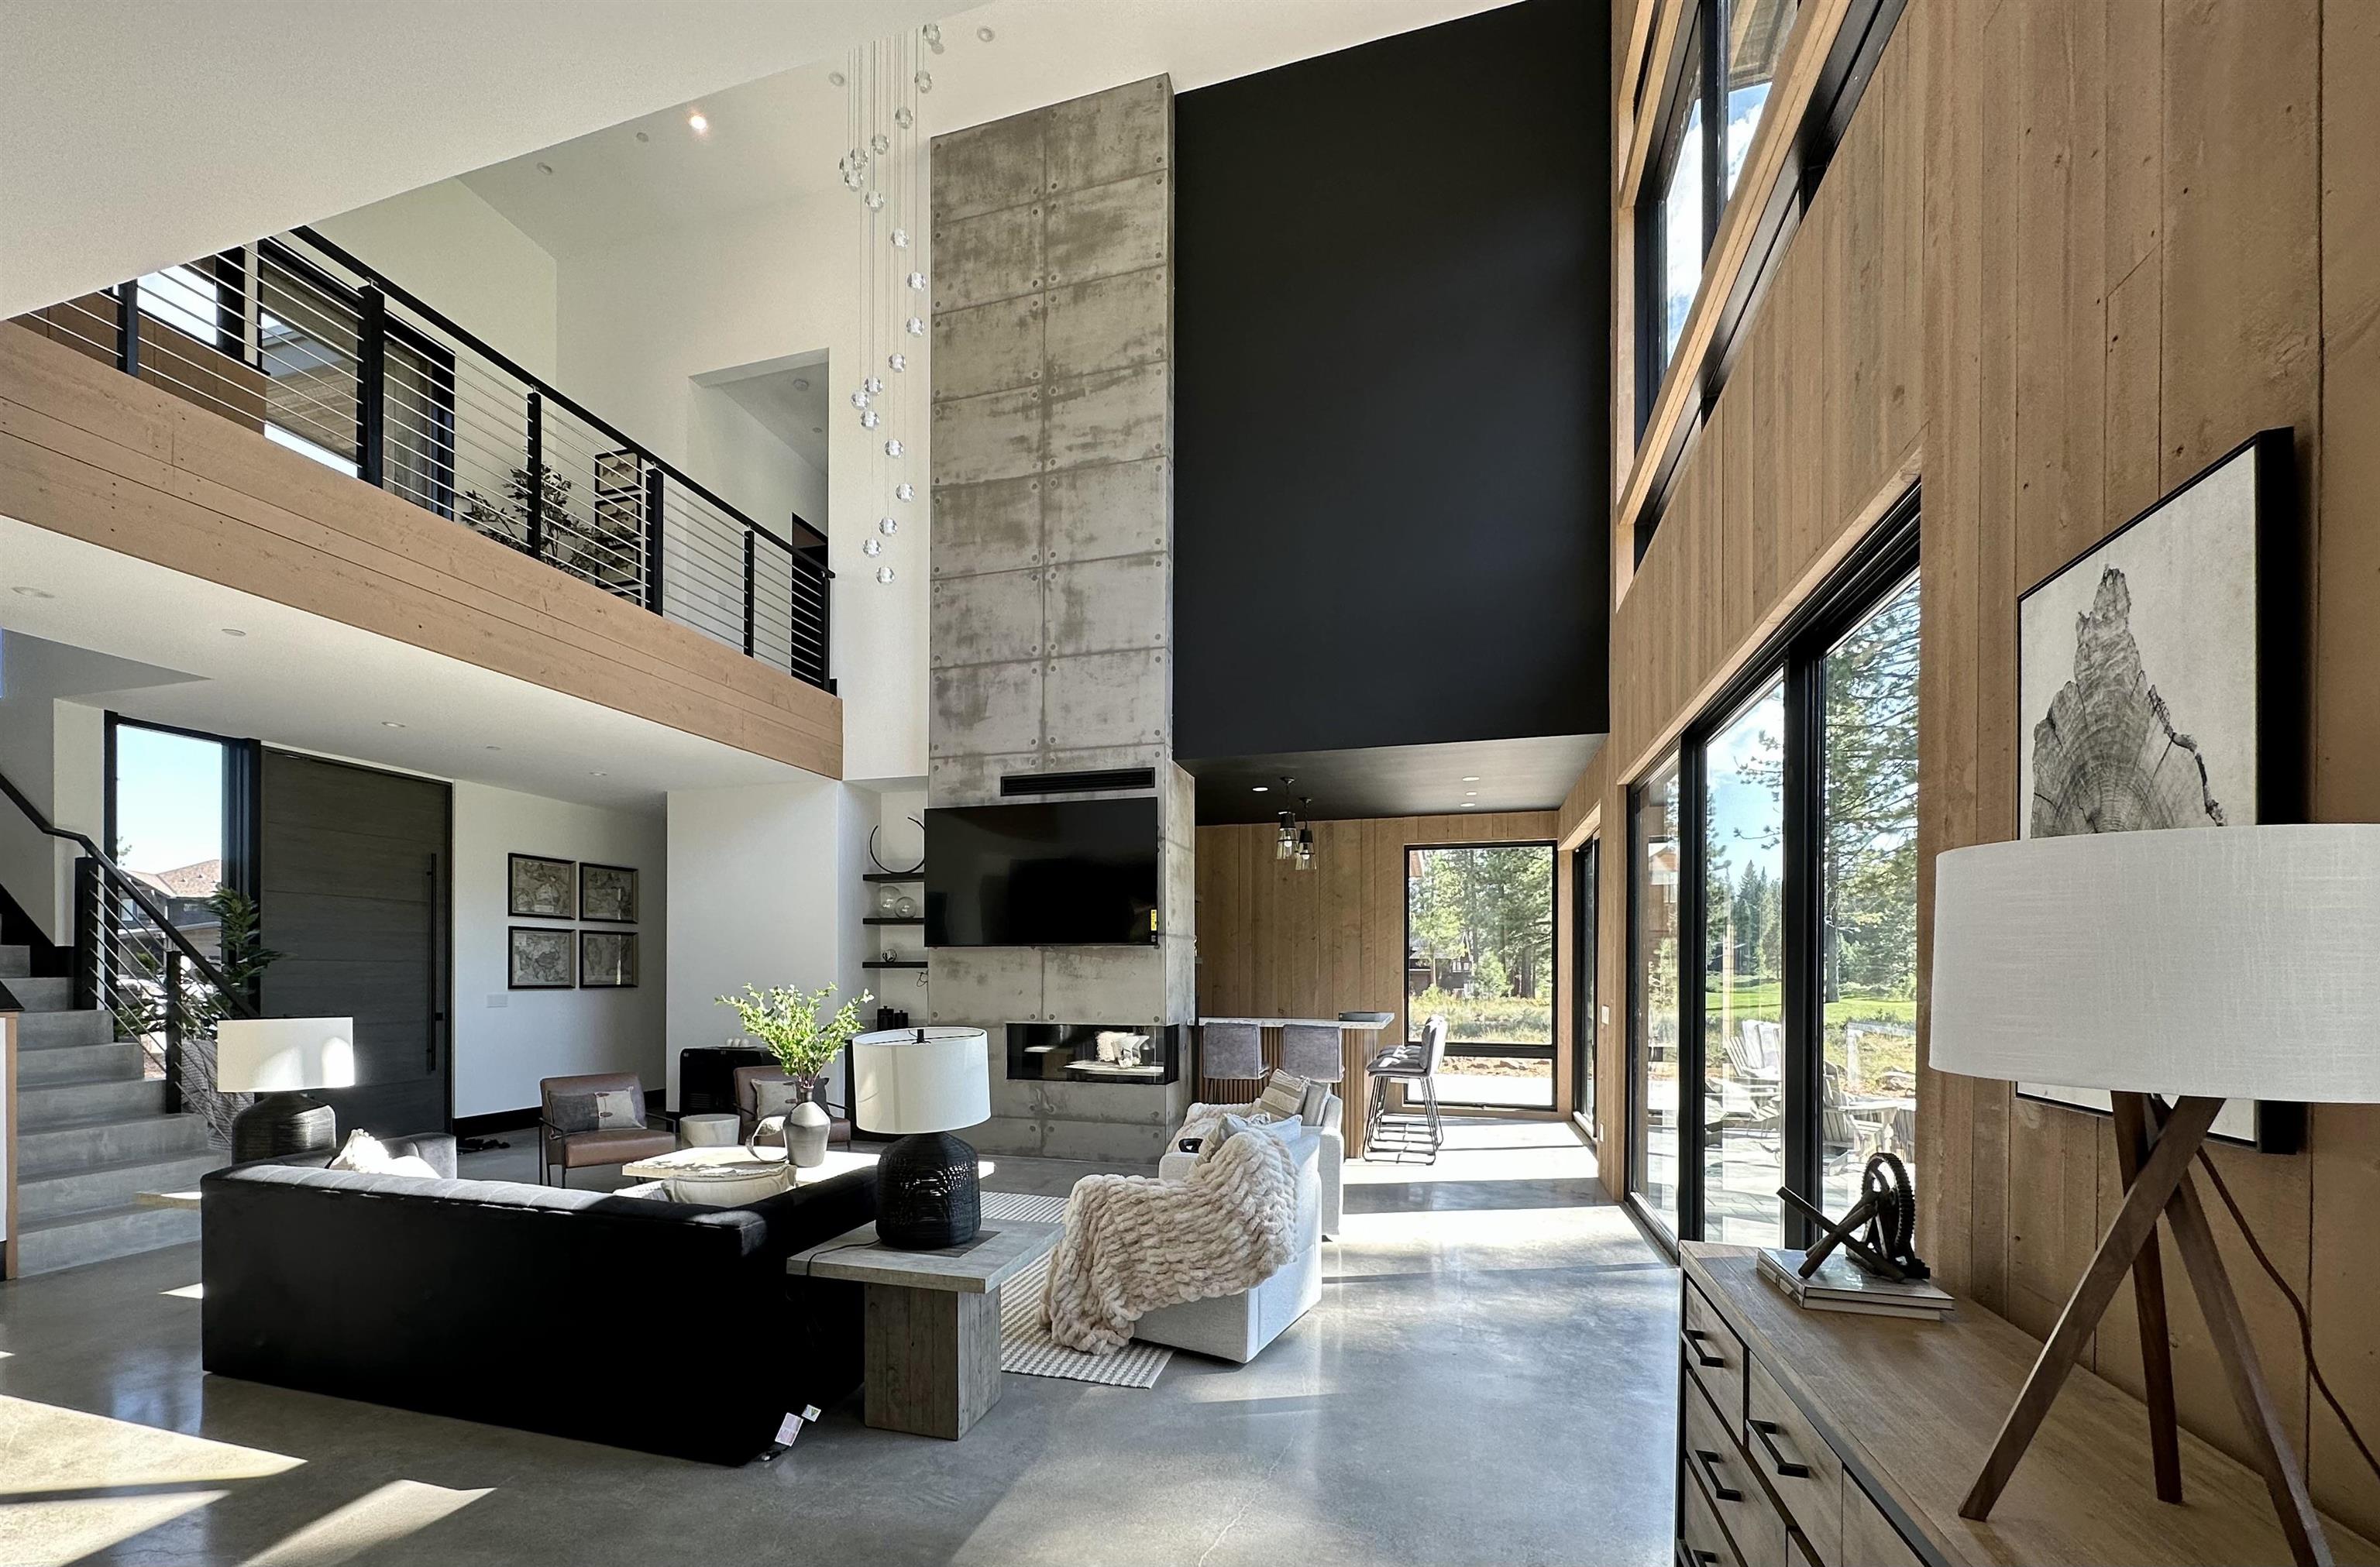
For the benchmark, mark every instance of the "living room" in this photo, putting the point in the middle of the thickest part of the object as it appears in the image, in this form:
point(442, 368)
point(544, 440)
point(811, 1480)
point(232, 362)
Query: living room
point(1195, 754)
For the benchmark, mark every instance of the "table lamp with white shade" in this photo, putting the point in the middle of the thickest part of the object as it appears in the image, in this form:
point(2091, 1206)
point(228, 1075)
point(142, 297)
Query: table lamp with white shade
point(280, 1058)
point(2189, 966)
point(925, 1083)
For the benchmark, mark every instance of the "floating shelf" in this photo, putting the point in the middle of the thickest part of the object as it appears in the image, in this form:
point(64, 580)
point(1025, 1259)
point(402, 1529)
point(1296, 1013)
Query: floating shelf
point(895, 919)
point(894, 963)
point(917, 875)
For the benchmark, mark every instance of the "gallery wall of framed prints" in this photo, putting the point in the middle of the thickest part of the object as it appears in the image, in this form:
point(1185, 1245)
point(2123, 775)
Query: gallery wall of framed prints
point(559, 958)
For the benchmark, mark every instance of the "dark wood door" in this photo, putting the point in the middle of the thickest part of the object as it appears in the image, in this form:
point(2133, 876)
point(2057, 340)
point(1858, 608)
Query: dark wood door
point(354, 894)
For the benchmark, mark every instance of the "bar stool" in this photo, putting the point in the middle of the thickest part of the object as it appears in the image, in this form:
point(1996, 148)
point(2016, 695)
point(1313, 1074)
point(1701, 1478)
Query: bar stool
point(1409, 1064)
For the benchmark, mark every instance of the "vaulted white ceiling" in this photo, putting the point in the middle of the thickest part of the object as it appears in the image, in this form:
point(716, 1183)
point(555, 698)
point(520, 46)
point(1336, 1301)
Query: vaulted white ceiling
point(136, 133)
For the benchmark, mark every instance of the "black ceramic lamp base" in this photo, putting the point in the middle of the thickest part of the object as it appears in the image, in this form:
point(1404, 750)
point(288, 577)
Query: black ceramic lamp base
point(284, 1126)
point(926, 1193)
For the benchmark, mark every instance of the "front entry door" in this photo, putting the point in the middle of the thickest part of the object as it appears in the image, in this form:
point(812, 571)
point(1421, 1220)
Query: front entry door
point(354, 889)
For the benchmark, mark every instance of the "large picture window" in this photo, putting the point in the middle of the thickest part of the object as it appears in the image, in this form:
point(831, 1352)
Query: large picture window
point(1774, 921)
point(1479, 952)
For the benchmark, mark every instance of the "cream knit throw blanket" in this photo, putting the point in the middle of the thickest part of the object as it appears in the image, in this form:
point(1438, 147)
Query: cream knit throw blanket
point(1133, 1244)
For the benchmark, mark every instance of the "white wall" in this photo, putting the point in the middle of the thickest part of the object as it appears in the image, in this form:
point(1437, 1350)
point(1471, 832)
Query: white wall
point(639, 321)
point(760, 895)
point(460, 255)
point(507, 1040)
point(54, 750)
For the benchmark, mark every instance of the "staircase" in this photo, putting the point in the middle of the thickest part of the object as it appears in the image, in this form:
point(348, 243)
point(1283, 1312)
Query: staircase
point(91, 1132)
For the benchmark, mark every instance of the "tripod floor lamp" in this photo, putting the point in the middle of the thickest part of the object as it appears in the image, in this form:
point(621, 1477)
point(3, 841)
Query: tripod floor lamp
point(2174, 970)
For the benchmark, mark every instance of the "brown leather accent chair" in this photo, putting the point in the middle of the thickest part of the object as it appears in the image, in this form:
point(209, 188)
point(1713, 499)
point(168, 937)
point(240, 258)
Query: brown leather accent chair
point(592, 1148)
point(747, 1107)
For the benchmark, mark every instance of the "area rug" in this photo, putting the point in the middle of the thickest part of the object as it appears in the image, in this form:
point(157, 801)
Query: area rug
point(1024, 1344)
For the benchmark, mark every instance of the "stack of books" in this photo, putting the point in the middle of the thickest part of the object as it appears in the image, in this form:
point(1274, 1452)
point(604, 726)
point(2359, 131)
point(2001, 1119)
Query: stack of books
point(1840, 1284)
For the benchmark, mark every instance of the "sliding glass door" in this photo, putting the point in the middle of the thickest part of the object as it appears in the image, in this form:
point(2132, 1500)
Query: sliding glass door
point(1773, 921)
point(1479, 952)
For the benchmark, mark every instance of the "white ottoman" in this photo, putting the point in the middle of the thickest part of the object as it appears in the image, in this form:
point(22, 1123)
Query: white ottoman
point(710, 1131)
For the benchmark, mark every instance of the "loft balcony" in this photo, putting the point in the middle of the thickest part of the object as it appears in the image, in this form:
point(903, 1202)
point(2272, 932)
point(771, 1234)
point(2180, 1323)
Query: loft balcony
point(293, 338)
point(298, 429)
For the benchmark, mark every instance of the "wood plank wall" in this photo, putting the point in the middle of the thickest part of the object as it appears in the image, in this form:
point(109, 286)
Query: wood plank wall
point(88, 452)
point(2070, 251)
point(1274, 941)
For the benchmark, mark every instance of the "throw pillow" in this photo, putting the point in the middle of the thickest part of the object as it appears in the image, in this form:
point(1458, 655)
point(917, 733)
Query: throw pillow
point(363, 1152)
point(1282, 1093)
point(412, 1165)
point(571, 1112)
point(773, 1099)
point(1223, 1132)
point(615, 1111)
point(1315, 1104)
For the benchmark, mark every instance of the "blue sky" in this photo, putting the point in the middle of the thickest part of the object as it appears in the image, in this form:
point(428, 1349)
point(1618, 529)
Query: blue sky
point(169, 802)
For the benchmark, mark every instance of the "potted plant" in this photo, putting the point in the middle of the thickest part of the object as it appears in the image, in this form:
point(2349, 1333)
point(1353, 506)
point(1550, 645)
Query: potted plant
point(787, 1022)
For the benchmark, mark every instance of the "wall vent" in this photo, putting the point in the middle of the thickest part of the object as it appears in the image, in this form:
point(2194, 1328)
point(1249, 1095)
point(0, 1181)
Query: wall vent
point(1095, 782)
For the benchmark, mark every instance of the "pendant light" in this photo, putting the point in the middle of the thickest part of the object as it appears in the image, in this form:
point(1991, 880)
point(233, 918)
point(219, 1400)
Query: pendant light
point(1285, 845)
point(1306, 835)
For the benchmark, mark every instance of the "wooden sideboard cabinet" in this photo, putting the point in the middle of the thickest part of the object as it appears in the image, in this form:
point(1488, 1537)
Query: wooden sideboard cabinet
point(1825, 1439)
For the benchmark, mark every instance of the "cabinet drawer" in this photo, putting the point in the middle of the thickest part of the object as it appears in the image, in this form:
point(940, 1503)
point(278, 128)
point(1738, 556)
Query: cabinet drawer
point(1719, 1466)
point(1869, 1538)
point(1799, 1467)
point(1714, 1354)
point(1705, 1543)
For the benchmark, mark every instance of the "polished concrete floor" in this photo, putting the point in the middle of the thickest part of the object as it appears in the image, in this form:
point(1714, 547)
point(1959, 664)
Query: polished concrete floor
point(1489, 1379)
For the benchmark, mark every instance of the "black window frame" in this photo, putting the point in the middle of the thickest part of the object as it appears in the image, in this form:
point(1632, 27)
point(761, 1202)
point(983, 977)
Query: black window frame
point(1878, 567)
point(1550, 1051)
point(1587, 863)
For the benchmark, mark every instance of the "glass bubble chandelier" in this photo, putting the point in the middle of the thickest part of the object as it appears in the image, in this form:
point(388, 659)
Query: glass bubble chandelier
point(883, 165)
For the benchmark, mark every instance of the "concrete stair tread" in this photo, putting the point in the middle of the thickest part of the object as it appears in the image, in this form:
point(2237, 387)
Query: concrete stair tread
point(101, 1234)
point(107, 1062)
point(79, 1144)
point(63, 1193)
point(42, 994)
point(63, 1030)
point(41, 1106)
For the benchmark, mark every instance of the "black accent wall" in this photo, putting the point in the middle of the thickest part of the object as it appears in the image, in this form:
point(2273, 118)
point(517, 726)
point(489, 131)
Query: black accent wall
point(1392, 313)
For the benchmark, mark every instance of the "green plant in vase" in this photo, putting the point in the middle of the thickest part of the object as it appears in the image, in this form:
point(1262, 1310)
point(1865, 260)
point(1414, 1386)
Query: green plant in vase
point(788, 1024)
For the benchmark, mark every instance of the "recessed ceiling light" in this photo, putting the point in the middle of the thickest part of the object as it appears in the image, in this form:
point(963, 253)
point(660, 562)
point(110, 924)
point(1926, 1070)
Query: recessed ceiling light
point(801, 384)
point(818, 429)
point(644, 135)
point(545, 168)
point(984, 34)
point(836, 76)
point(1262, 789)
point(390, 723)
point(1468, 805)
point(35, 593)
point(1471, 794)
point(598, 774)
point(233, 631)
point(495, 748)
point(1471, 778)
point(698, 123)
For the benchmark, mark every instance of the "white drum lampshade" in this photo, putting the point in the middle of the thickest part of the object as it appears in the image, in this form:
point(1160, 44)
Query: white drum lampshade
point(2223, 961)
point(925, 1083)
point(920, 1079)
point(284, 1055)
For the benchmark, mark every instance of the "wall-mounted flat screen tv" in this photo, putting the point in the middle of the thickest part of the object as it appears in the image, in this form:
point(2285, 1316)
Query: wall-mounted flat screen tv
point(1060, 873)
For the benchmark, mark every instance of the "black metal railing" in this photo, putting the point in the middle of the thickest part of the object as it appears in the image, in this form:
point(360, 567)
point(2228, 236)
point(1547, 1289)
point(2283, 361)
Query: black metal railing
point(294, 337)
point(134, 963)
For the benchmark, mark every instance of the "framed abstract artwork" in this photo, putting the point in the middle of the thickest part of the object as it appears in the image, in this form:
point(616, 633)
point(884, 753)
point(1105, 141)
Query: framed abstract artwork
point(540, 959)
point(607, 894)
point(2160, 685)
point(541, 888)
point(607, 960)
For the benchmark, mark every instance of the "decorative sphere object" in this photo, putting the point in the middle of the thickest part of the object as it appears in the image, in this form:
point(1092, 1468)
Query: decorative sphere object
point(859, 399)
point(873, 384)
point(887, 901)
point(925, 82)
point(905, 492)
point(893, 448)
point(872, 547)
point(917, 280)
point(907, 908)
point(870, 419)
point(931, 32)
point(875, 200)
point(900, 239)
point(916, 326)
point(898, 361)
point(883, 574)
point(886, 525)
point(880, 143)
point(905, 116)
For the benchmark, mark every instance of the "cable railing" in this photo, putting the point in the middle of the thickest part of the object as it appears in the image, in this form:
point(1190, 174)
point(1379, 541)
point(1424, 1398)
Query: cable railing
point(300, 341)
point(133, 962)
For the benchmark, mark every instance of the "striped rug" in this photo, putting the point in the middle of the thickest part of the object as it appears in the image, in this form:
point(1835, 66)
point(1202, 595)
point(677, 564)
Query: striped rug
point(1025, 1343)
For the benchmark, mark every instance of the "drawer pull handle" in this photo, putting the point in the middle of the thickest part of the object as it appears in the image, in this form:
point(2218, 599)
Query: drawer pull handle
point(1695, 1337)
point(1719, 1488)
point(1766, 1430)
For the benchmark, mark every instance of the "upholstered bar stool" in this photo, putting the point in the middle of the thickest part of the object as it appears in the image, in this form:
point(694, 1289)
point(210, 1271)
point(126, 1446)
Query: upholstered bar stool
point(1407, 1063)
point(1231, 1049)
point(1314, 1053)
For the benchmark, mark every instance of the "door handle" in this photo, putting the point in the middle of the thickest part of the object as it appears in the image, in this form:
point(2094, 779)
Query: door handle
point(1719, 1488)
point(1695, 1337)
point(1769, 1429)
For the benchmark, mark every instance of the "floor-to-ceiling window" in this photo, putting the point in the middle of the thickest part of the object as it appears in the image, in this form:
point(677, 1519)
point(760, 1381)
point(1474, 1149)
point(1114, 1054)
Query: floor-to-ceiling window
point(1479, 952)
point(172, 824)
point(1653, 1040)
point(1773, 919)
point(1586, 869)
point(1744, 972)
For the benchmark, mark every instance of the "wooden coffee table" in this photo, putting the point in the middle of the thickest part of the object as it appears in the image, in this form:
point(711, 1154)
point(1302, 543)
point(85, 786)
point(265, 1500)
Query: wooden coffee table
point(932, 1321)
